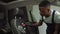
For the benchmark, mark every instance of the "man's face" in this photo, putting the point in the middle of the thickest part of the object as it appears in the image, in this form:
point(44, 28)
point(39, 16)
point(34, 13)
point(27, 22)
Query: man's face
point(44, 11)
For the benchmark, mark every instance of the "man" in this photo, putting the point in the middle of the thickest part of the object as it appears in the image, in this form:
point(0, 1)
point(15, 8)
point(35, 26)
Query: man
point(52, 18)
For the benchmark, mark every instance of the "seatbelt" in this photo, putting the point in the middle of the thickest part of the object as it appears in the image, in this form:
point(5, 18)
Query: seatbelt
point(42, 18)
point(53, 17)
point(31, 16)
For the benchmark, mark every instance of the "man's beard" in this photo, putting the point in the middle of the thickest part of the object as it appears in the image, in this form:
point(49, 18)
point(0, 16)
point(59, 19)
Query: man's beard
point(47, 15)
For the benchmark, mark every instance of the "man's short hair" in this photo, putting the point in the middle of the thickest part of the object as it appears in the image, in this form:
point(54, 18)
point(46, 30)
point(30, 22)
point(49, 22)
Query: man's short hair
point(44, 3)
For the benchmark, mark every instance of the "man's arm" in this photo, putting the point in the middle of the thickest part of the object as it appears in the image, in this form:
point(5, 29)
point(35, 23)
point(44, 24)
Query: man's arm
point(56, 28)
point(38, 24)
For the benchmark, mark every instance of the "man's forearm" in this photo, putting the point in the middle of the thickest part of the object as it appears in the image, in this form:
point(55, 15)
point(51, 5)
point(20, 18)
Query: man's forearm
point(56, 28)
point(38, 24)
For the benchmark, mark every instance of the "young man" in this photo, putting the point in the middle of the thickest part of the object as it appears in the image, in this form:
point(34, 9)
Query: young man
point(52, 17)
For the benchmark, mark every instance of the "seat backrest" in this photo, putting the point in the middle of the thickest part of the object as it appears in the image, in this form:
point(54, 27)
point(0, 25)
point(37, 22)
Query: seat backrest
point(2, 16)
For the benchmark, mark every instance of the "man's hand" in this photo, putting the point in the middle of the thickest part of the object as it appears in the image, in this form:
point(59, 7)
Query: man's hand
point(40, 22)
point(35, 24)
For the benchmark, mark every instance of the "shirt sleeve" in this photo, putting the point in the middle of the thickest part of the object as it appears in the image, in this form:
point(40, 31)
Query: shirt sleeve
point(57, 17)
